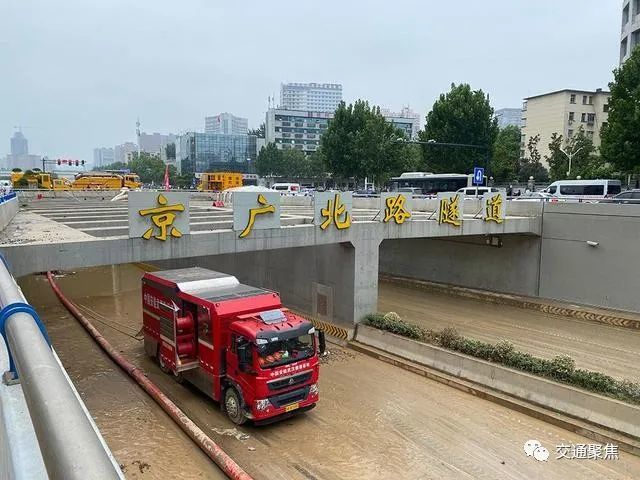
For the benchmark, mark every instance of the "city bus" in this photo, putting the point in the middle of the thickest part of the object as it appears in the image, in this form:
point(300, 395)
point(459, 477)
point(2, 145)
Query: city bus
point(425, 183)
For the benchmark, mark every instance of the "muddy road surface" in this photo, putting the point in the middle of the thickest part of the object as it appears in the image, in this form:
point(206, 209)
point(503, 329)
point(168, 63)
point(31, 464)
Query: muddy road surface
point(373, 421)
point(601, 348)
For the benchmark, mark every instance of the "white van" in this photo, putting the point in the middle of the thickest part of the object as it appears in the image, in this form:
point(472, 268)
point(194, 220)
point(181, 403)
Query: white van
point(477, 191)
point(287, 188)
point(584, 189)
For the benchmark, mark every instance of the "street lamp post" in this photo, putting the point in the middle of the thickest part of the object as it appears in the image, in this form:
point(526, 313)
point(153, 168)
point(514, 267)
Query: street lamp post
point(570, 157)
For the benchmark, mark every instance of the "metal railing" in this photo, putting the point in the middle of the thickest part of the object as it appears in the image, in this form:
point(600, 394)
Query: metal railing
point(69, 442)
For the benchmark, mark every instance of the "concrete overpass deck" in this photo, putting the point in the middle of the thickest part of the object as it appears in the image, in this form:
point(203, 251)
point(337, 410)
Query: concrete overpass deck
point(60, 233)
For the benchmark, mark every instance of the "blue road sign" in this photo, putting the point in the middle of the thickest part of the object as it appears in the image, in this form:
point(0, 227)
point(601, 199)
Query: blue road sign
point(478, 175)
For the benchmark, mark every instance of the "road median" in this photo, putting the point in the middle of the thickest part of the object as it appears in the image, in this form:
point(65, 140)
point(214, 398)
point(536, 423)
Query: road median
point(595, 414)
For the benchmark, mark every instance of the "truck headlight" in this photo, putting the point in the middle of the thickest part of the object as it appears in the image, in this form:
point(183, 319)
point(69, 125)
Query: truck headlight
point(314, 390)
point(262, 404)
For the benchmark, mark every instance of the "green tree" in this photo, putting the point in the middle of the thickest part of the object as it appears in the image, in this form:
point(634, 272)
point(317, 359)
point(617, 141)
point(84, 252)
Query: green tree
point(16, 170)
point(460, 116)
point(621, 136)
point(317, 168)
point(583, 161)
point(506, 154)
point(269, 160)
point(148, 166)
point(529, 165)
point(293, 164)
point(258, 132)
point(360, 143)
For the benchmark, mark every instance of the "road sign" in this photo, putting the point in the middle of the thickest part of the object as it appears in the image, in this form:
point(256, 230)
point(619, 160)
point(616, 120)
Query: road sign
point(478, 175)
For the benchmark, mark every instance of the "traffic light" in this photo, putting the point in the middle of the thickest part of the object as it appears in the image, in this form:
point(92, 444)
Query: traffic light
point(59, 162)
point(82, 162)
point(77, 163)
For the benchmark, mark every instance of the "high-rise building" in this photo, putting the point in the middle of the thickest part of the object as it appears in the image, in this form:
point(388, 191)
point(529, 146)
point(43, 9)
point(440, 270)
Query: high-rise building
point(19, 144)
point(630, 36)
point(154, 142)
point(563, 112)
point(313, 97)
point(122, 152)
point(509, 117)
point(103, 156)
point(227, 124)
point(198, 152)
point(406, 120)
point(296, 129)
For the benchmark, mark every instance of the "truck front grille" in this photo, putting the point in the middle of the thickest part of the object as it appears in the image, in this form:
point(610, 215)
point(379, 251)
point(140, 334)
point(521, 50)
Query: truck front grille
point(290, 397)
point(289, 381)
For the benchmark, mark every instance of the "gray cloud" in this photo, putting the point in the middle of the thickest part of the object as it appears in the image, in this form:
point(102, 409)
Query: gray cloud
point(78, 73)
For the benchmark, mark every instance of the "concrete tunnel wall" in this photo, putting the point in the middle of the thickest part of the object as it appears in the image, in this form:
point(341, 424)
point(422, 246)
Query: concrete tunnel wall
point(606, 274)
point(467, 261)
point(561, 265)
point(320, 280)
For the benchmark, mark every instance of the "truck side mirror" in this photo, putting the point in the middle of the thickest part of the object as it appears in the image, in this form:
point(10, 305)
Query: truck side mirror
point(244, 356)
point(322, 343)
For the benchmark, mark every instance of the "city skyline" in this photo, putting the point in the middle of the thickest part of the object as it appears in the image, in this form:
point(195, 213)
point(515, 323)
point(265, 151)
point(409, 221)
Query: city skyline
point(377, 54)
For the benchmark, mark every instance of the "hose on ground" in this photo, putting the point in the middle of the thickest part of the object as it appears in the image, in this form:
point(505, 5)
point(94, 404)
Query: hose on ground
point(206, 444)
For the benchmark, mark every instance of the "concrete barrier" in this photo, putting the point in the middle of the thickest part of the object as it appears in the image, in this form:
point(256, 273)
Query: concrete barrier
point(8, 210)
point(596, 409)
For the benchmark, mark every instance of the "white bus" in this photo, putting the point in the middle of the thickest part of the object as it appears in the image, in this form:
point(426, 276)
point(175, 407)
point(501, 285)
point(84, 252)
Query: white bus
point(583, 189)
point(425, 183)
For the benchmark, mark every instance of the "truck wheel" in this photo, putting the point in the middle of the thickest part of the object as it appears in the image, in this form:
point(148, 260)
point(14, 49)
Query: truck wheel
point(163, 366)
point(233, 406)
point(166, 369)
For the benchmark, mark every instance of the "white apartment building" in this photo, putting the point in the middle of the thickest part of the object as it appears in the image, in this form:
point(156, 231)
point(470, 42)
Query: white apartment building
point(563, 112)
point(227, 124)
point(296, 129)
point(630, 33)
point(406, 120)
point(312, 97)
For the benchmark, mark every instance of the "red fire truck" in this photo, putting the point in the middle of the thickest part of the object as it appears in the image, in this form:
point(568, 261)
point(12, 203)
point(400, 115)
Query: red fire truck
point(234, 342)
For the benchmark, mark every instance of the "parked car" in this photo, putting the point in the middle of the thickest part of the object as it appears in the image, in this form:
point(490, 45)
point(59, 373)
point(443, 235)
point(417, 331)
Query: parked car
point(476, 191)
point(630, 196)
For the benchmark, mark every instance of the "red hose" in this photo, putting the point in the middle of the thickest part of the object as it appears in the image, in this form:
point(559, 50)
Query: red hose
point(208, 446)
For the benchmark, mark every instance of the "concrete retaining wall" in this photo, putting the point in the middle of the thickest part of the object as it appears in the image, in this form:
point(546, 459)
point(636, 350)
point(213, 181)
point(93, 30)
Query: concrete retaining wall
point(8, 210)
point(599, 410)
point(317, 280)
point(604, 275)
point(467, 261)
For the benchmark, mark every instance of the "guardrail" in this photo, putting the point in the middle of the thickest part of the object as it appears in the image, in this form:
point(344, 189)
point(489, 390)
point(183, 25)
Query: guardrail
point(70, 444)
point(8, 196)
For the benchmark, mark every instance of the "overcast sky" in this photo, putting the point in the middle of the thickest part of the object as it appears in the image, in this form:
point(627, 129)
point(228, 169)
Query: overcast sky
point(76, 73)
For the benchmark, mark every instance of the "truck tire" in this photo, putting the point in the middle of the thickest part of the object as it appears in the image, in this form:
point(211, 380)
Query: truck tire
point(163, 366)
point(166, 369)
point(233, 406)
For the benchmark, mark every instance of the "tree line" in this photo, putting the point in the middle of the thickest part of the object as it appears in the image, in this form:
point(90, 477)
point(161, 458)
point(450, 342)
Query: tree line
point(359, 143)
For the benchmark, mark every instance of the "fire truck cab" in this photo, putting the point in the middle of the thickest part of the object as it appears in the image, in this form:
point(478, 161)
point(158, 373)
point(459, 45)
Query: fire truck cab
point(234, 342)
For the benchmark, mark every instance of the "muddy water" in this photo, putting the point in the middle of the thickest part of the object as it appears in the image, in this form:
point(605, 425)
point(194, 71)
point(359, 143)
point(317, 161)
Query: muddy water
point(144, 440)
point(601, 348)
point(374, 421)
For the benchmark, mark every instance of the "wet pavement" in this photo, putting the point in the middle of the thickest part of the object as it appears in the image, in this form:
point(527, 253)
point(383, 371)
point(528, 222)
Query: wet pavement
point(373, 421)
point(593, 346)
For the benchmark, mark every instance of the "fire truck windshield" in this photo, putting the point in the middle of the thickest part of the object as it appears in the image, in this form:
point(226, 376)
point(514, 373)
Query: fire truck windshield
point(280, 352)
